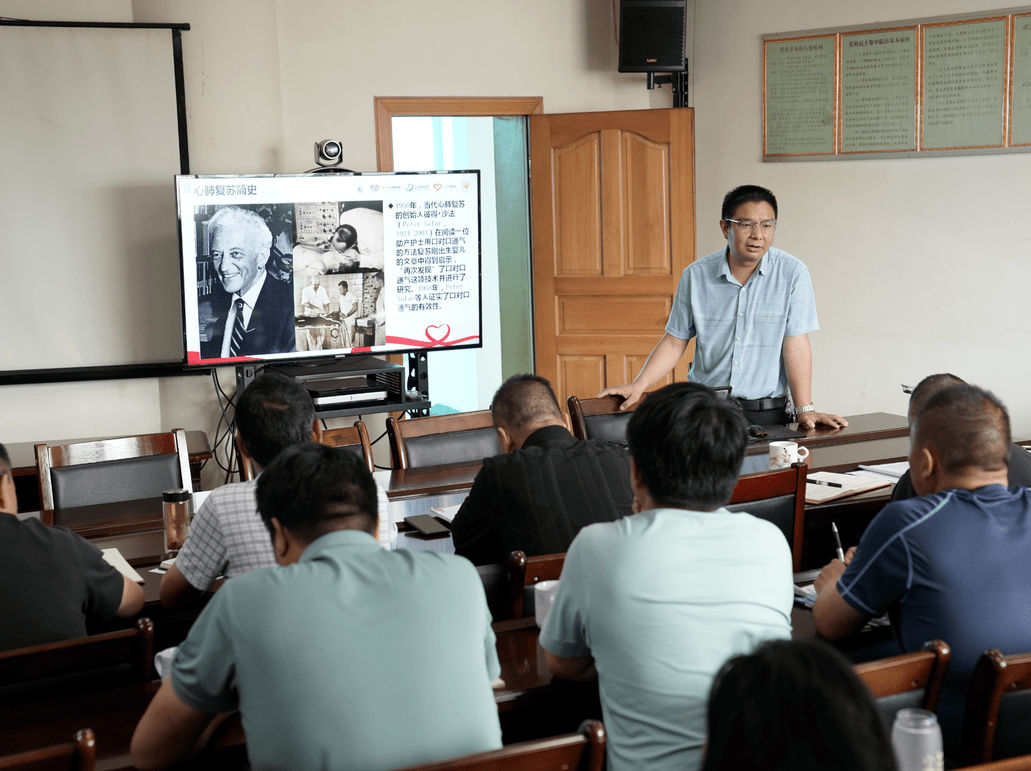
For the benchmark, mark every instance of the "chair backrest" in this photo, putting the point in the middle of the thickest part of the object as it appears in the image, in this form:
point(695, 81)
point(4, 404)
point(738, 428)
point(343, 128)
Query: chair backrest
point(440, 439)
point(910, 680)
point(77, 666)
point(109, 470)
point(777, 497)
point(998, 709)
point(352, 438)
point(523, 573)
point(77, 755)
point(599, 419)
point(582, 751)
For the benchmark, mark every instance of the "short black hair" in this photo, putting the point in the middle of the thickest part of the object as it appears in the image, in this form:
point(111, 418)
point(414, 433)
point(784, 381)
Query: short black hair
point(310, 488)
point(927, 388)
point(747, 194)
point(5, 462)
point(273, 413)
point(348, 235)
point(794, 704)
point(523, 401)
point(688, 445)
point(968, 427)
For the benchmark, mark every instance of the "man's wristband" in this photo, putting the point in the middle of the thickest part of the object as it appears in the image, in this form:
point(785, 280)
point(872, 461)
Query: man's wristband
point(805, 408)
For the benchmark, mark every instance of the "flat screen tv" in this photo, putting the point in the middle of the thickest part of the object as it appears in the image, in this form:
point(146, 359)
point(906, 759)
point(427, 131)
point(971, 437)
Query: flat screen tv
point(287, 268)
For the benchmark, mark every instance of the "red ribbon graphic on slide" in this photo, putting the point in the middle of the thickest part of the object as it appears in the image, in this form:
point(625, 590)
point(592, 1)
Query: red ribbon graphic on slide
point(435, 335)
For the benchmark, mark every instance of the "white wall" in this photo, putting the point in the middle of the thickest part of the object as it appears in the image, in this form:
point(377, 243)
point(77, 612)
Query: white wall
point(919, 265)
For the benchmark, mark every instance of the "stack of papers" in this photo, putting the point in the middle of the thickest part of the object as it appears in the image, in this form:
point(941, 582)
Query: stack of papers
point(446, 513)
point(114, 558)
point(824, 486)
point(889, 471)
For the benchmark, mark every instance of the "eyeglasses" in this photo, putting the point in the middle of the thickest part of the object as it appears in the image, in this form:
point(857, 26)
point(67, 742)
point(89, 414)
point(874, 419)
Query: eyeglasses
point(766, 226)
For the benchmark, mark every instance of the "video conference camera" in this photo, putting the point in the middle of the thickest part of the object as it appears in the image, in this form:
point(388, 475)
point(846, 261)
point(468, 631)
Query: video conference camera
point(329, 152)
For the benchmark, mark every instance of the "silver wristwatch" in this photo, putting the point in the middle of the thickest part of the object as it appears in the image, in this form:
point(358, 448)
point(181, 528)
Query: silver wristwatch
point(806, 408)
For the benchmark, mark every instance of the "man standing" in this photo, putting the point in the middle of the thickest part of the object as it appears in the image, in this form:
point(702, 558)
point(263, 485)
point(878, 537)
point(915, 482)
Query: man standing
point(952, 565)
point(314, 298)
point(253, 311)
point(313, 654)
point(227, 537)
point(546, 486)
point(750, 308)
point(53, 580)
point(348, 312)
point(654, 603)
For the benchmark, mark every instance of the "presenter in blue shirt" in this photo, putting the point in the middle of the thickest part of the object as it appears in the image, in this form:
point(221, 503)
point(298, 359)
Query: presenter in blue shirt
point(750, 308)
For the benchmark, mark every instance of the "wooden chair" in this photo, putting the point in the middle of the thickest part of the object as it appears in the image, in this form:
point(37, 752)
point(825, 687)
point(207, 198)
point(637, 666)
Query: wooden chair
point(1023, 763)
point(778, 497)
point(998, 709)
point(599, 419)
point(77, 755)
point(439, 439)
point(353, 438)
point(109, 470)
point(523, 573)
point(910, 680)
point(582, 751)
point(82, 665)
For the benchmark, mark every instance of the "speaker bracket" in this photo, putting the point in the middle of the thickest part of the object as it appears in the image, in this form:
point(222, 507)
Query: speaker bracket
point(677, 79)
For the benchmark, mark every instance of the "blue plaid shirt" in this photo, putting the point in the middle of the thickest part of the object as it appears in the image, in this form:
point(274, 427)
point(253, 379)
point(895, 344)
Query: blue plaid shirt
point(741, 329)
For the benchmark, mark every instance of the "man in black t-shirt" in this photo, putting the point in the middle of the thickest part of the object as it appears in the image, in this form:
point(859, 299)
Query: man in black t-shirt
point(52, 579)
point(546, 485)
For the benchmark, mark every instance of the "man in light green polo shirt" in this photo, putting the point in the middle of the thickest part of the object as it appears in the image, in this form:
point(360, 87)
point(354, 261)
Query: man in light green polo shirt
point(313, 653)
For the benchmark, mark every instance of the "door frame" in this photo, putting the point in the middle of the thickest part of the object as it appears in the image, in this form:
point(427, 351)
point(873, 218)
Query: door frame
point(386, 107)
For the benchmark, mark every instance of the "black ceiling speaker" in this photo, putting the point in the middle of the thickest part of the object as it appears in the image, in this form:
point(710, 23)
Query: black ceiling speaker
point(652, 34)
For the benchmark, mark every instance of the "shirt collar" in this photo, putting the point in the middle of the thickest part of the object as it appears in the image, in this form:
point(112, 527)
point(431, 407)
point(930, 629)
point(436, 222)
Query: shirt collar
point(350, 540)
point(724, 265)
point(251, 295)
point(542, 437)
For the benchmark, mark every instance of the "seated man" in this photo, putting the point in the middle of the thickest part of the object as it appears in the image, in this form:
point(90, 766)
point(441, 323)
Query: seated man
point(952, 565)
point(315, 655)
point(227, 536)
point(654, 603)
point(547, 486)
point(53, 580)
point(1020, 459)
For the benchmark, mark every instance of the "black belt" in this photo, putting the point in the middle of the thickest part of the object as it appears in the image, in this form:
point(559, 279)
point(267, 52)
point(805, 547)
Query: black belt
point(762, 405)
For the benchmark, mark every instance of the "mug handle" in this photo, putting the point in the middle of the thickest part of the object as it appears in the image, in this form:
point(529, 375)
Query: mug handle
point(803, 450)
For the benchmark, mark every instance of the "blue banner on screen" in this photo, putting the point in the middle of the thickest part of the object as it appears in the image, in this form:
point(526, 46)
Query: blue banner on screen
point(291, 267)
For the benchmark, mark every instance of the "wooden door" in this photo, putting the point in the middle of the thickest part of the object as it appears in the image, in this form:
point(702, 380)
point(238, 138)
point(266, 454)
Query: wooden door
point(612, 197)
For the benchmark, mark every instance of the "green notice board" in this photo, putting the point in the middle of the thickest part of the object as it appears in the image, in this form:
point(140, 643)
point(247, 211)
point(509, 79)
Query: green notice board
point(878, 91)
point(799, 94)
point(964, 88)
point(1020, 133)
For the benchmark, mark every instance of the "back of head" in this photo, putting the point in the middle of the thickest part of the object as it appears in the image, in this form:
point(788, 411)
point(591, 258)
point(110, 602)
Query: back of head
point(794, 704)
point(967, 426)
point(273, 413)
point(313, 489)
point(927, 388)
point(5, 462)
point(688, 445)
point(523, 402)
point(746, 194)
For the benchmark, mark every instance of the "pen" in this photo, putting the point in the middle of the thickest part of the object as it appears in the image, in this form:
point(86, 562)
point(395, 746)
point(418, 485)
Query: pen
point(837, 542)
point(825, 483)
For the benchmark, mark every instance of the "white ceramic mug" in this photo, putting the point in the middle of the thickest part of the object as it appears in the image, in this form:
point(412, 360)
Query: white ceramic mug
point(543, 596)
point(783, 454)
